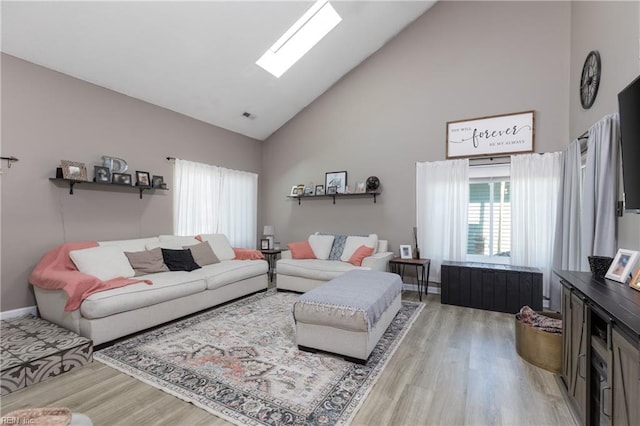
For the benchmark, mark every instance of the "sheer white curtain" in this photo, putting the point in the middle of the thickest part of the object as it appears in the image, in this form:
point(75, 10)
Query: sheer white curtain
point(600, 190)
point(213, 200)
point(535, 184)
point(442, 198)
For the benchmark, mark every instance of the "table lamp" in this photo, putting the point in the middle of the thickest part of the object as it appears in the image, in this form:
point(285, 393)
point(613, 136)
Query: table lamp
point(269, 231)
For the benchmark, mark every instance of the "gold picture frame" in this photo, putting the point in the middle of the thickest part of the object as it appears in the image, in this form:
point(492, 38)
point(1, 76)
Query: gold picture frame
point(635, 281)
point(73, 170)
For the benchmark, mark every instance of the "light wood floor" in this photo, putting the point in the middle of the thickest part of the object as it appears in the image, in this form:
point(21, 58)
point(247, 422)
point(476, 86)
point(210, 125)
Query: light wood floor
point(456, 366)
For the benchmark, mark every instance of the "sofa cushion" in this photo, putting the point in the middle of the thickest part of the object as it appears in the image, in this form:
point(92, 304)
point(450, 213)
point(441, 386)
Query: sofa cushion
point(166, 286)
point(220, 245)
point(179, 260)
point(203, 253)
point(353, 242)
point(106, 262)
point(314, 268)
point(137, 244)
point(321, 245)
point(147, 261)
point(360, 253)
point(301, 250)
point(338, 244)
point(220, 274)
point(173, 242)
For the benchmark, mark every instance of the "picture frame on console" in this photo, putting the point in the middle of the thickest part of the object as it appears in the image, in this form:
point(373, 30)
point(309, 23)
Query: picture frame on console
point(102, 174)
point(405, 252)
point(142, 178)
point(623, 265)
point(635, 281)
point(264, 244)
point(337, 179)
point(121, 178)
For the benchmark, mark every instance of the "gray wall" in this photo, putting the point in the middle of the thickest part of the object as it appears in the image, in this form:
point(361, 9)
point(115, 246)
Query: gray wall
point(611, 28)
point(459, 60)
point(48, 117)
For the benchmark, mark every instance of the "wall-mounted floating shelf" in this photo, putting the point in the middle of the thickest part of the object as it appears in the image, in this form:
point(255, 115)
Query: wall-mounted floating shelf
point(334, 196)
point(72, 183)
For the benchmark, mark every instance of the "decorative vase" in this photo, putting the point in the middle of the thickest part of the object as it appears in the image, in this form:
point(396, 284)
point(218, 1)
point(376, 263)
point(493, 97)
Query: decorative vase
point(416, 253)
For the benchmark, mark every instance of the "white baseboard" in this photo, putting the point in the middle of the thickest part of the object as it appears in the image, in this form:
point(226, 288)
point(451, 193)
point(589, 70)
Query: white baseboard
point(15, 313)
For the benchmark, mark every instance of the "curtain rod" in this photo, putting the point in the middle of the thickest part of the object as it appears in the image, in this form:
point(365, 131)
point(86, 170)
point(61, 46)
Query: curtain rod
point(171, 158)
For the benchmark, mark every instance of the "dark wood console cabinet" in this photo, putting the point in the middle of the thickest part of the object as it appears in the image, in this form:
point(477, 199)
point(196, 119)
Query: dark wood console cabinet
point(494, 287)
point(601, 349)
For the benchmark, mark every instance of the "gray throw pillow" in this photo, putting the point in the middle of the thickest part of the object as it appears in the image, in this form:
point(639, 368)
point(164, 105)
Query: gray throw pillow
point(203, 254)
point(147, 262)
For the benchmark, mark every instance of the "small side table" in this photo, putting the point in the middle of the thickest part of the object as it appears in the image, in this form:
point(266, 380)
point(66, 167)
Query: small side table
point(397, 265)
point(271, 256)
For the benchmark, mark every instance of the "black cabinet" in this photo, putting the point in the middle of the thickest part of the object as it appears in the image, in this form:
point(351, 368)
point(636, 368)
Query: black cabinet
point(493, 287)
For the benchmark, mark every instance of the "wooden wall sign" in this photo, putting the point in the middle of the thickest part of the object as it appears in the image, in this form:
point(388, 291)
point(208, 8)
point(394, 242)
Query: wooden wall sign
point(490, 136)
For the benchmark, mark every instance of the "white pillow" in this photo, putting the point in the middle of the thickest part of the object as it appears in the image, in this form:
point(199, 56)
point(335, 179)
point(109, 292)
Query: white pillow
point(178, 240)
point(137, 244)
point(105, 262)
point(220, 245)
point(383, 246)
point(321, 245)
point(352, 244)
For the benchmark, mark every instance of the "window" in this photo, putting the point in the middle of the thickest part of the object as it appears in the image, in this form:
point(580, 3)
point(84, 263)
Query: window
point(214, 200)
point(489, 215)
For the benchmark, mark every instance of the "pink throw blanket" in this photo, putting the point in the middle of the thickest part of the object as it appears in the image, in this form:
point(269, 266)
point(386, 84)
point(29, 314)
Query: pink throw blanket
point(247, 254)
point(56, 271)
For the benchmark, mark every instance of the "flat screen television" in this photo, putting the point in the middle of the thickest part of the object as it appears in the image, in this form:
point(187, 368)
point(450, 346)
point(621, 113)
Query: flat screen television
point(629, 106)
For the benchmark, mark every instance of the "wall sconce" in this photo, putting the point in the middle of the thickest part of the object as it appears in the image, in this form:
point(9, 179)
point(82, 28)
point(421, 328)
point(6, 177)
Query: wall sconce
point(269, 231)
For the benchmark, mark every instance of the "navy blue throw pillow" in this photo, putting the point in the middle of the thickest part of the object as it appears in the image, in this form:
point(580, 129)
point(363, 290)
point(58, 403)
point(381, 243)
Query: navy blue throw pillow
point(179, 260)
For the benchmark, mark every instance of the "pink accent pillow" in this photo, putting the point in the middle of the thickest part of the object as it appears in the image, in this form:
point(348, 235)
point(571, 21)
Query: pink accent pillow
point(247, 254)
point(359, 255)
point(301, 250)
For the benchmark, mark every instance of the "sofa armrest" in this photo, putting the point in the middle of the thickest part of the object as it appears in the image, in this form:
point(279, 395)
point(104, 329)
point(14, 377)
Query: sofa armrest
point(286, 254)
point(378, 261)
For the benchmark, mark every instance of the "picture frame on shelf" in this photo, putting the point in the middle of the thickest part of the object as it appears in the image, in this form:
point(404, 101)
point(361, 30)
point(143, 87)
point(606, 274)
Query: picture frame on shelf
point(337, 179)
point(157, 181)
point(319, 189)
point(101, 174)
point(405, 252)
point(332, 190)
point(309, 191)
point(297, 190)
point(360, 188)
point(142, 178)
point(73, 170)
point(264, 244)
point(635, 280)
point(121, 178)
point(623, 265)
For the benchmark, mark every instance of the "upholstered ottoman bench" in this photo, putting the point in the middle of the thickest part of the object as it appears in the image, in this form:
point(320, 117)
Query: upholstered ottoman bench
point(349, 314)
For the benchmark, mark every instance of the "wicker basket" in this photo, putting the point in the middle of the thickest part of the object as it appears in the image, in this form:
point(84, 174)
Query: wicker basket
point(538, 347)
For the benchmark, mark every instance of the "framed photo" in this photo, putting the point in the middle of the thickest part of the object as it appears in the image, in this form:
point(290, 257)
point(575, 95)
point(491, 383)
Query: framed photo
point(622, 266)
point(492, 135)
point(405, 252)
point(157, 181)
point(143, 178)
point(337, 179)
point(102, 174)
point(297, 190)
point(332, 190)
point(309, 191)
point(121, 178)
point(360, 188)
point(73, 170)
point(635, 281)
point(264, 244)
point(319, 189)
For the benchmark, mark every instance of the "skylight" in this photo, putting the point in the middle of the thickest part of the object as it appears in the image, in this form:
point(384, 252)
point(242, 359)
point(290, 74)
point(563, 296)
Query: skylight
point(300, 38)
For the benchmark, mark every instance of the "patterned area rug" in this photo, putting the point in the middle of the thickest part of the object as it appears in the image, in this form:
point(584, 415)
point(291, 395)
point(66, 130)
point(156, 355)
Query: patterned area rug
point(240, 362)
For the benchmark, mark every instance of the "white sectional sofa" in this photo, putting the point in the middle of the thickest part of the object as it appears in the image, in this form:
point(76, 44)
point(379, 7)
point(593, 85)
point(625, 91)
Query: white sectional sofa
point(331, 260)
point(113, 313)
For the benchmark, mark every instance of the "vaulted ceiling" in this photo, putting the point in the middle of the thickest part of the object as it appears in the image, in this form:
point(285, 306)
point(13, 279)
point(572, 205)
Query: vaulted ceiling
point(198, 58)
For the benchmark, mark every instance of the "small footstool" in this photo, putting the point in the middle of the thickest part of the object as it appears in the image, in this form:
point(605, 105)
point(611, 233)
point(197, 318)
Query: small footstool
point(349, 314)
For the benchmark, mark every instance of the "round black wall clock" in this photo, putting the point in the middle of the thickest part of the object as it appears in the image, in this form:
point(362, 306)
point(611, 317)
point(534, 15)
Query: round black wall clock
point(590, 80)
